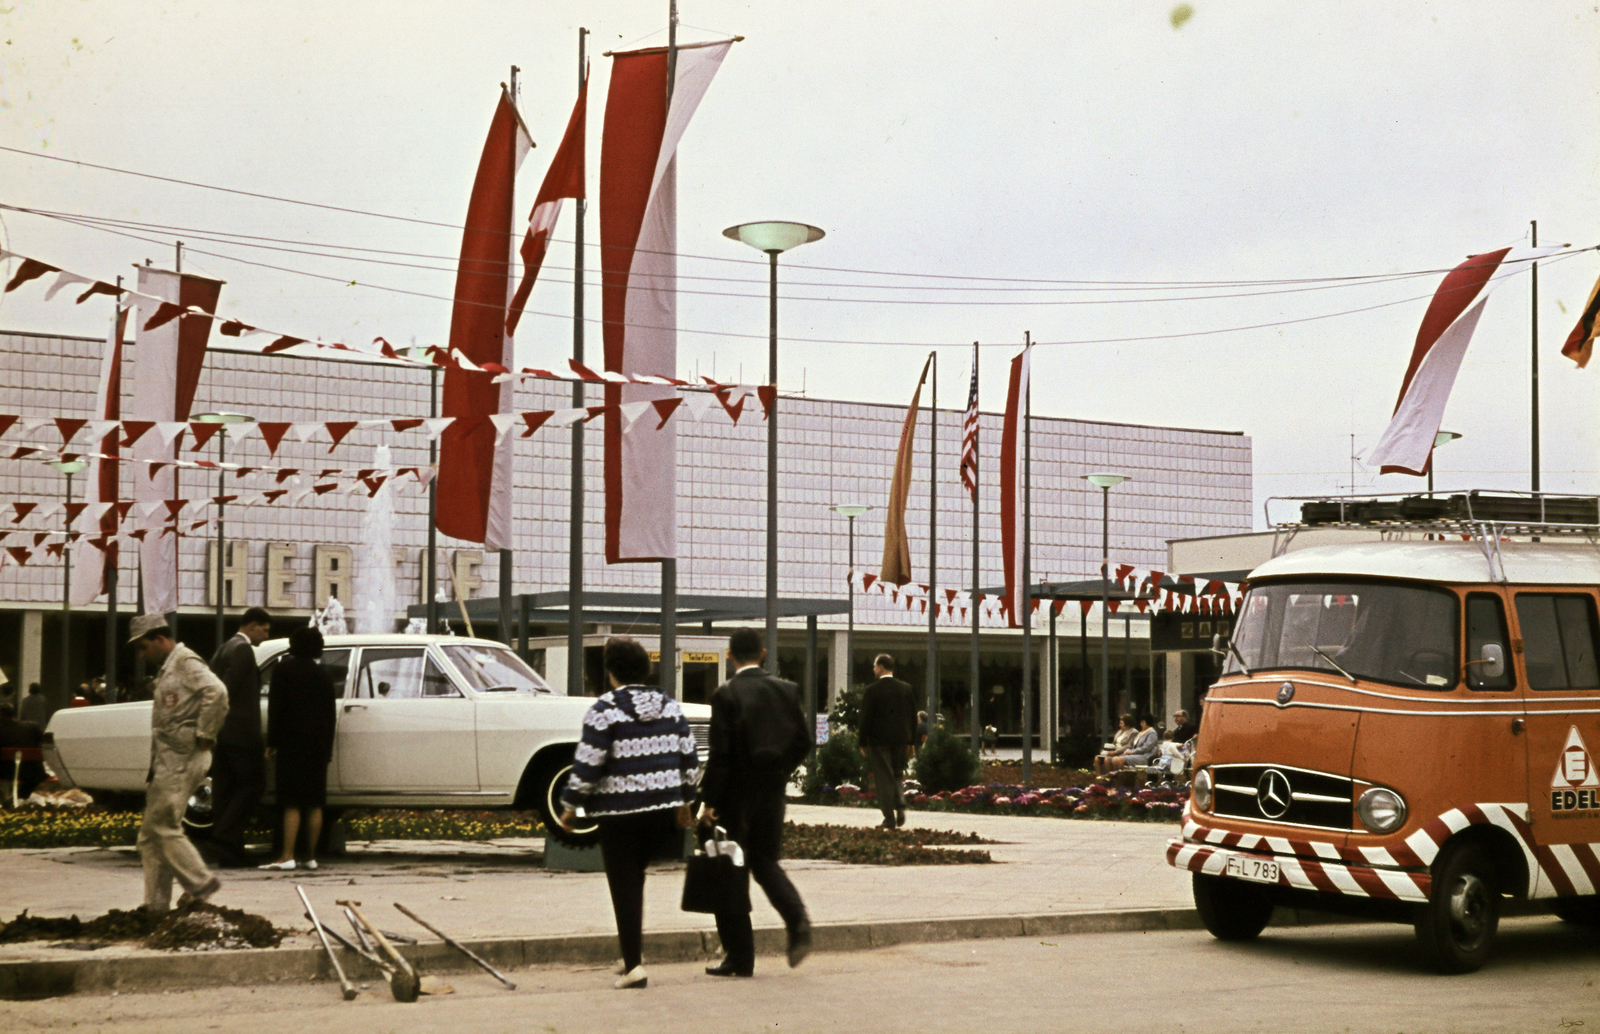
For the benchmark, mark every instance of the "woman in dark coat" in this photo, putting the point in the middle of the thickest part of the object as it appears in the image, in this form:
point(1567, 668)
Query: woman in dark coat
point(301, 713)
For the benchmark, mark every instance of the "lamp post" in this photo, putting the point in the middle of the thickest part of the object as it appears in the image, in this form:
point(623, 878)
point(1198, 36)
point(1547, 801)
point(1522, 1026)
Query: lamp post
point(773, 238)
point(430, 570)
point(1439, 438)
point(69, 468)
point(850, 511)
point(1105, 482)
point(223, 418)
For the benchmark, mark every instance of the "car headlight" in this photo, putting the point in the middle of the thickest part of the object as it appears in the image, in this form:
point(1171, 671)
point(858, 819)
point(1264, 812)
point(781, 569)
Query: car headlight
point(1200, 791)
point(1381, 810)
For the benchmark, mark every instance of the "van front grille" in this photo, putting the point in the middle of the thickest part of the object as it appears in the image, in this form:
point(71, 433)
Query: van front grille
point(1279, 793)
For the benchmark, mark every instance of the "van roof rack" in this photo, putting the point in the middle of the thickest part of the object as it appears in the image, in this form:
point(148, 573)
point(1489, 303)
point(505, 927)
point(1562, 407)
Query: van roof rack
point(1464, 513)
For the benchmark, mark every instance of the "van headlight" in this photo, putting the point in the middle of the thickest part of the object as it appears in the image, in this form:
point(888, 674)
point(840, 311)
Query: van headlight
point(1381, 810)
point(1200, 791)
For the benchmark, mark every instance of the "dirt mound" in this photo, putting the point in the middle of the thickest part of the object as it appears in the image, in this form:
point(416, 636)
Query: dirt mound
point(193, 928)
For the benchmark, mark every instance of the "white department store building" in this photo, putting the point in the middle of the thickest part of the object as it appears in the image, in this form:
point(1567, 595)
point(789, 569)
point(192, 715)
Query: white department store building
point(1186, 483)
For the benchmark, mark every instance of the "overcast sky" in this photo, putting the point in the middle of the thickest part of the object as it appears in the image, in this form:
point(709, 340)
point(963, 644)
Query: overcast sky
point(1013, 142)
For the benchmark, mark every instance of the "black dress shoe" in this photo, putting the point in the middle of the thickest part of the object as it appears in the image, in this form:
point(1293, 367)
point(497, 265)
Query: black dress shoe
point(726, 968)
point(799, 944)
point(900, 817)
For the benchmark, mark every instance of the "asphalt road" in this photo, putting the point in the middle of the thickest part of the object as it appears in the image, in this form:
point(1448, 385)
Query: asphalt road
point(1346, 978)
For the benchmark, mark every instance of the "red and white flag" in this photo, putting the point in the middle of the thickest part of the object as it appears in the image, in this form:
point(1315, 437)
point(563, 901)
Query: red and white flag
point(170, 358)
point(1407, 444)
point(475, 468)
point(91, 561)
point(638, 239)
point(969, 433)
point(564, 179)
point(1013, 481)
point(896, 568)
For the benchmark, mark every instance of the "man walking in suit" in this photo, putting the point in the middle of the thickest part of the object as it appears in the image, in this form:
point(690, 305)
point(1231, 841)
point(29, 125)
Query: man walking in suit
point(238, 768)
point(746, 797)
point(888, 737)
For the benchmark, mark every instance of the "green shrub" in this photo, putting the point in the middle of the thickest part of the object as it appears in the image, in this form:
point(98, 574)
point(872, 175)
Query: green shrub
point(846, 713)
point(837, 761)
point(945, 763)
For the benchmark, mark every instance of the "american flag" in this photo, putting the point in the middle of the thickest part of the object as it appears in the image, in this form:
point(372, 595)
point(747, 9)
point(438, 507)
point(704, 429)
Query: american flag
point(969, 434)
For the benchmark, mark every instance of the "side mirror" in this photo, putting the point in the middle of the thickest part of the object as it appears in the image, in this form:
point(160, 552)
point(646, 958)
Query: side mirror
point(1493, 658)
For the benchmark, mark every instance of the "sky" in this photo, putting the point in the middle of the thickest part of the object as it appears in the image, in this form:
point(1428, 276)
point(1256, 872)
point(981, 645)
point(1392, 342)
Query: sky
point(1129, 188)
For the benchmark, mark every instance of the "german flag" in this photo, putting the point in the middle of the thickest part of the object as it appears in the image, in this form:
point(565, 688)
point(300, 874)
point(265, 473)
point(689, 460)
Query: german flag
point(1581, 341)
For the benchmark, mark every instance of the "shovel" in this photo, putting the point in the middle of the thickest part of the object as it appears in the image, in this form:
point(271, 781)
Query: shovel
point(345, 985)
point(403, 982)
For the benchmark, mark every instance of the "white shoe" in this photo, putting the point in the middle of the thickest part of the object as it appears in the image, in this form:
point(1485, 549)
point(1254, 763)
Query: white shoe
point(310, 864)
point(287, 866)
point(635, 977)
point(619, 968)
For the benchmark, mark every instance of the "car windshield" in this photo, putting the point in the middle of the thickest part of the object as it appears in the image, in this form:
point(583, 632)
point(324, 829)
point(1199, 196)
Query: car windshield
point(494, 669)
point(1403, 634)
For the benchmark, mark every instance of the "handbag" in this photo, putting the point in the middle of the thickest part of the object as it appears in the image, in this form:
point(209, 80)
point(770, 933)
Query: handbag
point(717, 880)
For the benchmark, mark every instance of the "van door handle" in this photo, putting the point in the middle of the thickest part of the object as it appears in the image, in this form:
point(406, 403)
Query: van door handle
point(1516, 726)
point(362, 707)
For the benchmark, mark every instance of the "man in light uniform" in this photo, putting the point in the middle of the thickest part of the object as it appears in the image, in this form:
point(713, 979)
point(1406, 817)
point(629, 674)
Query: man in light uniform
point(187, 708)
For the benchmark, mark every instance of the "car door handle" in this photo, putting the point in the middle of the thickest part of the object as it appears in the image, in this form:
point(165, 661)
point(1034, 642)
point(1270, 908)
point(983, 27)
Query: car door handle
point(354, 707)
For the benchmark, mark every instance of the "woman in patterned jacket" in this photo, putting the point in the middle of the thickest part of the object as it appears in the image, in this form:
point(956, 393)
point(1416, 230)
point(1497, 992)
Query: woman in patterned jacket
point(635, 773)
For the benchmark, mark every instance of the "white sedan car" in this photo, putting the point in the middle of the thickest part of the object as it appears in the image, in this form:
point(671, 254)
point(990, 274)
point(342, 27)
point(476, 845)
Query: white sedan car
point(423, 722)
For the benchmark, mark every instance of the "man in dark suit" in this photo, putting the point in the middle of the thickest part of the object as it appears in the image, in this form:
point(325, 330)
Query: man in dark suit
point(748, 801)
point(888, 737)
point(238, 768)
point(17, 733)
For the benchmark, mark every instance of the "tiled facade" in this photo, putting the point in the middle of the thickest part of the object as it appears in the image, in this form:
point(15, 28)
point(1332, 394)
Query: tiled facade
point(1185, 483)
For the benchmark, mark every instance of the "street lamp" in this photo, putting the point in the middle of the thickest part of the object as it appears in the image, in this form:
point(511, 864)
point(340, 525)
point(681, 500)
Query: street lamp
point(773, 238)
point(1105, 482)
point(69, 468)
point(430, 569)
point(224, 419)
point(1439, 438)
point(850, 511)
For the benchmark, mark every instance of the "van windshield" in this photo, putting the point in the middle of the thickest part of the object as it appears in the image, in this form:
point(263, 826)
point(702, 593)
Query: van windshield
point(1404, 634)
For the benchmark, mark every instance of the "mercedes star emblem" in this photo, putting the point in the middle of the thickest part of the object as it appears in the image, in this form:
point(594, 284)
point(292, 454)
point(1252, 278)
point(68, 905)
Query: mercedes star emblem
point(1285, 694)
point(1273, 795)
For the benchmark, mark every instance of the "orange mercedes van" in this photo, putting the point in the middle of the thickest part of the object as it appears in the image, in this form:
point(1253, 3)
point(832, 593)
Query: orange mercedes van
point(1404, 730)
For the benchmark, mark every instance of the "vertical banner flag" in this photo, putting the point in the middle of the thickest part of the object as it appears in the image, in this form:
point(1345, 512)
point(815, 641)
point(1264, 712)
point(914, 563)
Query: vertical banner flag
point(171, 356)
point(91, 561)
point(969, 434)
point(1406, 446)
point(1012, 481)
point(564, 179)
point(638, 245)
point(1580, 343)
point(474, 490)
point(896, 568)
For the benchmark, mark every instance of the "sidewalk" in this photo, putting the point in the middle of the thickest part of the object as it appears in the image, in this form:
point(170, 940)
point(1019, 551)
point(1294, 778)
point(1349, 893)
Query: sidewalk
point(491, 892)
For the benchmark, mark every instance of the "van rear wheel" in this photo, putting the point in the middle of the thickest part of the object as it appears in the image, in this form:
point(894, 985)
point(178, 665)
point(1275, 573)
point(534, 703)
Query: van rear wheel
point(1232, 910)
point(1456, 927)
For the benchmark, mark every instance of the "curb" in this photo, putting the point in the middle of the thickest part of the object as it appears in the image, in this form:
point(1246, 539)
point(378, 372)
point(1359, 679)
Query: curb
point(151, 971)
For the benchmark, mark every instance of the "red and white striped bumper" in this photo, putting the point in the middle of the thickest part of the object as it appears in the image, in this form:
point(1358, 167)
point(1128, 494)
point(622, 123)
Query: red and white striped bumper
point(1302, 864)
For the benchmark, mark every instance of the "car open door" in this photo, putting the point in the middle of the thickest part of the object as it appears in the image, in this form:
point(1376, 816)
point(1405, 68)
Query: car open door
point(405, 729)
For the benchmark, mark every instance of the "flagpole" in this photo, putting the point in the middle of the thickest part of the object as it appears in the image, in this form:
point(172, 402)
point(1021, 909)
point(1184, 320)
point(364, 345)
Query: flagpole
point(113, 550)
point(575, 517)
point(177, 540)
point(667, 645)
point(506, 634)
point(1027, 605)
point(976, 673)
point(1534, 385)
point(933, 548)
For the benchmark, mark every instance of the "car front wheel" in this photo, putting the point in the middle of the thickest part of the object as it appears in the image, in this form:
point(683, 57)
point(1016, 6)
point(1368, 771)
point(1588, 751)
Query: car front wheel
point(549, 779)
point(1232, 910)
point(1456, 927)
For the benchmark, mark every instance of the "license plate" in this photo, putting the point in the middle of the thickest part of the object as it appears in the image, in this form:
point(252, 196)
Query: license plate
point(1259, 870)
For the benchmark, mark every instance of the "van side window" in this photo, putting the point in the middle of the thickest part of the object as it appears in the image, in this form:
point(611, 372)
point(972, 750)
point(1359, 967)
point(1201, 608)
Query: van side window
point(1558, 640)
point(1486, 625)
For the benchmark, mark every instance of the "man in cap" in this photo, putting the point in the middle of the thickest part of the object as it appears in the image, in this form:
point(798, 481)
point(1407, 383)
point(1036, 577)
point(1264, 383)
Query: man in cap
point(188, 705)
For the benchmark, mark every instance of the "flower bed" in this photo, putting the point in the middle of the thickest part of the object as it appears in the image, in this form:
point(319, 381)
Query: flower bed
point(93, 827)
point(1094, 801)
point(862, 845)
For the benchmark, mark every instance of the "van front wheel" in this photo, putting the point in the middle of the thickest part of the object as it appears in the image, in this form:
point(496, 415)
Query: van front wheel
point(1232, 910)
point(1456, 927)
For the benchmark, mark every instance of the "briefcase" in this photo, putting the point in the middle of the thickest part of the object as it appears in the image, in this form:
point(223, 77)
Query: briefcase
point(717, 879)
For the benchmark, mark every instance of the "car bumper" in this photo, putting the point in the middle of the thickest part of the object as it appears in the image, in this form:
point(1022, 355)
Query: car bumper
point(1302, 864)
